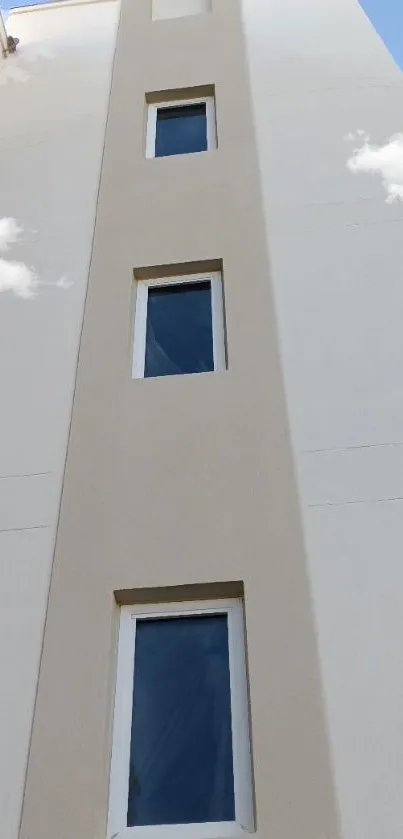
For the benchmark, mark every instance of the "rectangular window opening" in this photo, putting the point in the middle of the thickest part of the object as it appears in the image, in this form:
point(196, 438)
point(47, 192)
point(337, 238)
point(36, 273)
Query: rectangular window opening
point(181, 760)
point(179, 326)
point(181, 127)
point(164, 9)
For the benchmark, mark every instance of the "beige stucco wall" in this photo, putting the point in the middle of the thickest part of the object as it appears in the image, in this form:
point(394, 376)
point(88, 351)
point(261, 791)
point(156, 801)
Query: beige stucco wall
point(182, 480)
point(53, 103)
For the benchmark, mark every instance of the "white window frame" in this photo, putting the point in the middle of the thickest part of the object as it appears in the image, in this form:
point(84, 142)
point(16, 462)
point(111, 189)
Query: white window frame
point(120, 763)
point(140, 317)
point(181, 103)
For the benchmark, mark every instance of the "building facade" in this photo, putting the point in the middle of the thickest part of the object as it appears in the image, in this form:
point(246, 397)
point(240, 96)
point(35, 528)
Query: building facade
point(201, 403)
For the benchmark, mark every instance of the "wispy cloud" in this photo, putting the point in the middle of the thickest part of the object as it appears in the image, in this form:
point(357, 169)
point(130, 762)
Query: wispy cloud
point(63, 283)
point(16, 67)
point(16, 277)
point(385, 161)
point(9, 233)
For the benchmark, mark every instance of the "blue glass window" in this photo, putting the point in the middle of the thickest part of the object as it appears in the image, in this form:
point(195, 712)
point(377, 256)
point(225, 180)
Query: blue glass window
point(179, 332)
point(181, 765)
point(181, 130)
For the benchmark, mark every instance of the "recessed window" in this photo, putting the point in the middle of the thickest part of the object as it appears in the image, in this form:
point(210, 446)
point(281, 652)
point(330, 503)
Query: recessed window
point(178, 8)
point(181, 127)
point(181, 763)
point(179, 326)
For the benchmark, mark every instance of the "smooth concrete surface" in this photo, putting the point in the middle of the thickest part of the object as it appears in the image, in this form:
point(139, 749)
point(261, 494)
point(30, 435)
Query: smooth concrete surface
point(319, 73)
point(53, 104)
point(186, 480)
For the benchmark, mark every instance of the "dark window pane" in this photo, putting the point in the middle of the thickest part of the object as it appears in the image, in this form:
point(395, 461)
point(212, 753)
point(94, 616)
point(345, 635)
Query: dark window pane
point(179, 336)
point(181, 768)
point(181, 130)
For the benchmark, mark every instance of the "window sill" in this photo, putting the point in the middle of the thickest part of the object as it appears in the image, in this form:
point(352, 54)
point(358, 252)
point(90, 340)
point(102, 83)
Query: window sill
point(207, 830)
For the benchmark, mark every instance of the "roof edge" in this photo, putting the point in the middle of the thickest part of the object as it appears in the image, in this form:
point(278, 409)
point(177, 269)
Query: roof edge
point(56, 4)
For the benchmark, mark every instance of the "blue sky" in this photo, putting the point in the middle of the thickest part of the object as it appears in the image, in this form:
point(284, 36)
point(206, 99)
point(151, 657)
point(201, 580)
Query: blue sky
point(386, 15)
point(12, 4)
point(9, 4)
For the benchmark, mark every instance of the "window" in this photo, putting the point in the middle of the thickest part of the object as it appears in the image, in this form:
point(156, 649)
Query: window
point(178, 8)
point(181, 127)
point(179, 326)
point(181, 763)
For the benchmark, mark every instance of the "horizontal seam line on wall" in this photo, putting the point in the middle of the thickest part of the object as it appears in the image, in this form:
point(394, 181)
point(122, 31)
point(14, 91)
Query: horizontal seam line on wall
point(28, 475)
point(352, 448)
point(357, 501)
point(313, 227)
point(17, 529)
point(365, 85)
point(337, 202)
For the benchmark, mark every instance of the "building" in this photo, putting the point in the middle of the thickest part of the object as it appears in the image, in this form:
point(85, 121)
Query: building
point(259, 500)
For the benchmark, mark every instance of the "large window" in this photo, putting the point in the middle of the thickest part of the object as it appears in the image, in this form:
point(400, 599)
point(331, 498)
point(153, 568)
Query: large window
point(181, 763)
point(179, 326)
point(181, 127)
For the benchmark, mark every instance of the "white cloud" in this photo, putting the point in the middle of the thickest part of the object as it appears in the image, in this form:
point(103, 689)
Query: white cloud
point(385, 161)
point(12, 73)
point(15, 276)
point(18, 278)
point(9, 233)
point(64, 283)
point(15, 69)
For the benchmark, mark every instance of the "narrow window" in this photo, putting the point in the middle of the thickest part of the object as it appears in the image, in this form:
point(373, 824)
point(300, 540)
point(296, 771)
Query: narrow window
point(181, 127)
point(178, 326)
point(181, 753)
point(181, 708)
